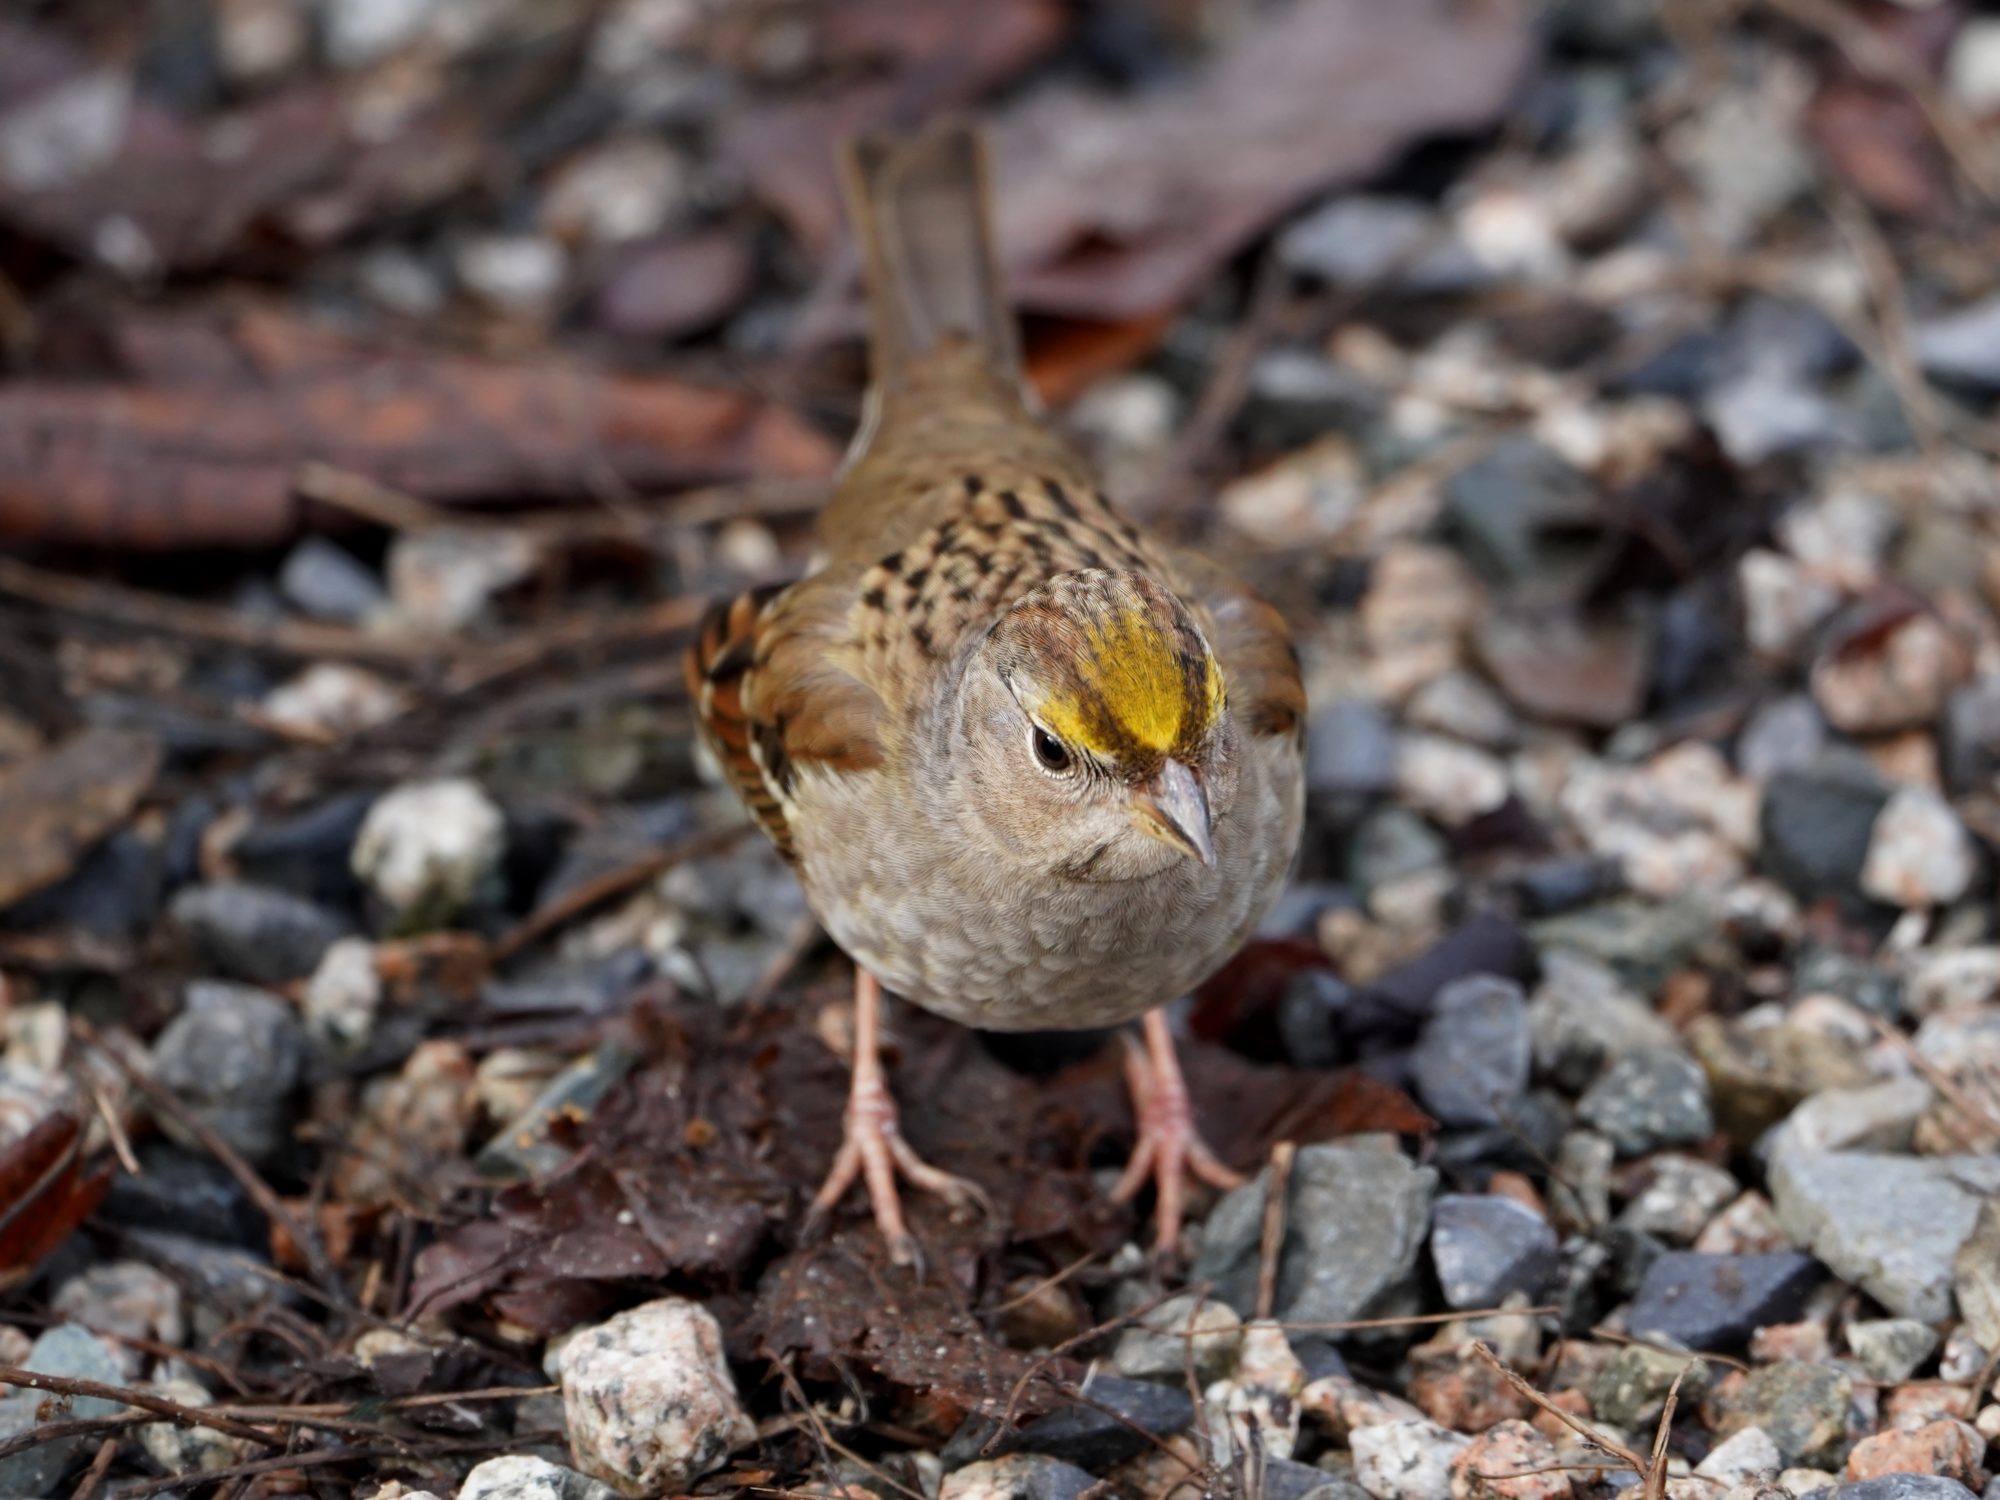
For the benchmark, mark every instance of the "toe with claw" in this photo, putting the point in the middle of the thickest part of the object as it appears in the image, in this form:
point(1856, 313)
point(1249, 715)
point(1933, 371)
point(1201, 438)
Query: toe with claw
point(1169, 1149)
point(873, 1149)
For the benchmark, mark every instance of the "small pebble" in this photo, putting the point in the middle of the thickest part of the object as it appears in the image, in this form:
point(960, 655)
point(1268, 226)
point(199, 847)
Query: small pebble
point(1486, 1248)
point(649, 1400)
point(234, 1055)
point(1509, 1461)
point(1919, 854)
point(1409, 1460)
point(1470, 1065)
point(1891, 1349)
point(1947, 1446)
point(428, 849)
point(1649, 1098)
point(1019, 1476)
point(523, 1477)
point(1159, 1345)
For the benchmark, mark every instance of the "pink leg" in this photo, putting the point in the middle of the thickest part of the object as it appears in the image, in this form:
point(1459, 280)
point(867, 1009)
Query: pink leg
point(1169, 1149)
point(874, 1149)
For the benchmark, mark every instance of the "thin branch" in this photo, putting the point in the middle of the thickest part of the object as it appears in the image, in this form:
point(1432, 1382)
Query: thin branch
point(173, 1411)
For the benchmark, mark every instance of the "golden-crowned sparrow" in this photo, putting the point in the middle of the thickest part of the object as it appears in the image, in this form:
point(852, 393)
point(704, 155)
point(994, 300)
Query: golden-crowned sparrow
point(1035, 768)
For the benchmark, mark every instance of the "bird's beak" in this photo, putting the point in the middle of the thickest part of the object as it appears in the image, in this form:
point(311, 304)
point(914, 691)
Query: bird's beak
point(1173, 808)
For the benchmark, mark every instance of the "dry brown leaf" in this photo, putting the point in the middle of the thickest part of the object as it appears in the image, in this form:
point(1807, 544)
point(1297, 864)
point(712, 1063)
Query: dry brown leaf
point(57, 806)
point(195, 459)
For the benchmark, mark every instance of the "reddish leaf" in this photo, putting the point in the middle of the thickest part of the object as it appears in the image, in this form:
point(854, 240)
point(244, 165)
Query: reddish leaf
point(168, 465)
point(46, 1191)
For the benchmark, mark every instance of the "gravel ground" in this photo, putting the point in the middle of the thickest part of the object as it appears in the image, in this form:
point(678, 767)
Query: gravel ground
point(413, 1075)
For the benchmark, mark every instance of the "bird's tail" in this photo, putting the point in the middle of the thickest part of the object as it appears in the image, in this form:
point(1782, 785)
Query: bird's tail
point(922, 211)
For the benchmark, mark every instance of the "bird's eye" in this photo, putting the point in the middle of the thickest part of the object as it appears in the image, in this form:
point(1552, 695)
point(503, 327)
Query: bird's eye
point(1050, 751)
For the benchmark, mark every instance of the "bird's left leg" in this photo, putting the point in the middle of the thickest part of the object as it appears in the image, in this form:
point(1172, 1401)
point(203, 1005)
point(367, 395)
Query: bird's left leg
point(1169, 1148)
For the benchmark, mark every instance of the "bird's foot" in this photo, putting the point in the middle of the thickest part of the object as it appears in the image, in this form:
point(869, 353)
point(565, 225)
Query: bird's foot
point(873, 1148)
point(1169, 1149)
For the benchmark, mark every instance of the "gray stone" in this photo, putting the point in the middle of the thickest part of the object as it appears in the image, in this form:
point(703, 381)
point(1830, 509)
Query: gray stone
point(1770, 412)
point(1161, 1344)
point(1803, 1408)
point(1630, 1389)
point(1904, 1487)
point(1961, 346)
point(1408, 1460)
point(1357, 239)
point(1715, 1302)
point(1891, 1349)
point(1645, 941)
point(1782, 735)
point(1519, 511)
point(520, 1476)
point(1828, 971)
point(1682, 1194)
point(1487, 1247)
point(1350, 750)
point(1123, 1420)
point(1470, 1065)
point(255, 933)
point(1582, 1015)
point(74, 1354)
point(1649, 1098)
point(1336, 1264)
point(1878, 1117)
point(1392, 843)
point(1816, 823)
point(1019, 1476)
point(235, 1054)
point(1889, 1224)
point(328, 582)
point(1969, 747)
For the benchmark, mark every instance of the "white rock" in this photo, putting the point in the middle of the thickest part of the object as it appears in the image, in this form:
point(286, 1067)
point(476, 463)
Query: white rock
point(1512, 234)
point(1018, 1476)
point(1303, 498)
point(1799, 1483)
point(649, 1401)
point(261, 40)
point(1972, 71)
point(1406, 1460)
point(1877, 1117)
point(1782, 602)
point(127, 1298)
point(519, 1477)
point(1260, 1404)
point(1952, 979)
point(1449, 781)
point(187, 1450)
point(515, 273)
point(1919, 854)
point(1462, 705)
point(1898, 682)
point(1842, 535)
point(360, 31)
point(1160, 1345)
point(333, 698)
point(426, 848)
point(621, 190)
point(1681, 821)
point(344, 995)
point(65, 132)
point(1741, 1457)
point(441, 580)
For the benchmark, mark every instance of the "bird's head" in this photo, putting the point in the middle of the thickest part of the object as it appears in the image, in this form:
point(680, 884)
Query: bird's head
point(1095, 731)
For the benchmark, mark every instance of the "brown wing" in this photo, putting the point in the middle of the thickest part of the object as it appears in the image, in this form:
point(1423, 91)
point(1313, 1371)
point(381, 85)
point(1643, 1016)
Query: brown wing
point(1251, 640)
point(771, 696)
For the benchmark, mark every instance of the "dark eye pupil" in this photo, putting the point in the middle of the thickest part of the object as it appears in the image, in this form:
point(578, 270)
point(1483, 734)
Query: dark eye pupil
point(1050, 751)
